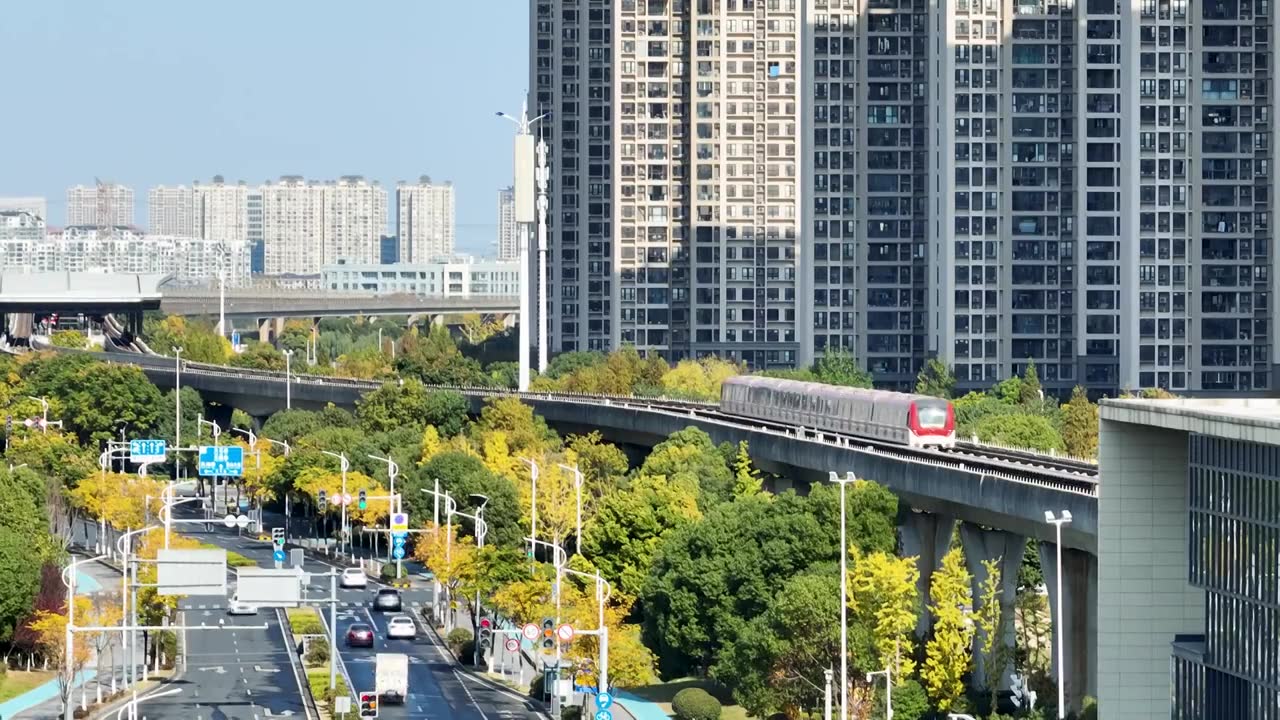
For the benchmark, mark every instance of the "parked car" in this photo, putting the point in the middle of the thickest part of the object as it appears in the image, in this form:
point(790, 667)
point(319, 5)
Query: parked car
point(402, 626)
point(388, 600)
point(360, 635)
point(235, 607)
point(354, 578)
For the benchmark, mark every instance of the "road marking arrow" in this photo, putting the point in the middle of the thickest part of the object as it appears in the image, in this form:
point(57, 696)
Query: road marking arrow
point(259, 668)
point(215, 669)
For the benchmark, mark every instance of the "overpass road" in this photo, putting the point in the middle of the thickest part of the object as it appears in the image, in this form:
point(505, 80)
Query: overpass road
point(264, 304)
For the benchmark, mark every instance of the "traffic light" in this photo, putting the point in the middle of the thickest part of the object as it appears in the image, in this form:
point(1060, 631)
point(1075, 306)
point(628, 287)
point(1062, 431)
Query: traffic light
point(486, 635)
point(364, 499)
point(323, 499)
point(368, 705)
point(548, 636)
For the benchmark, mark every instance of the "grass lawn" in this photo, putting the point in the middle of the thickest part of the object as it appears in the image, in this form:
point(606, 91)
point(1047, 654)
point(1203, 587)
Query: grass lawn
point(234, 559)
point(304, 621)
point(15, 682)
point(662, 693)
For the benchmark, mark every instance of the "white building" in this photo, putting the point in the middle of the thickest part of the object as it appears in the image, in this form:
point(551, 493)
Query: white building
point(456, 279)
point(222, 211)
point(37, 206)
point(171, 211)
point(104, 205)
point(21, 225)
point(306, 225)
point(508, 239)
point(425, 220)
point(123, 250)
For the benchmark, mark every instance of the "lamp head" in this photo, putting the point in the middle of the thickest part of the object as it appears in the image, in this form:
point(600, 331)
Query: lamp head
point(1048, 516)
point(1066, 516)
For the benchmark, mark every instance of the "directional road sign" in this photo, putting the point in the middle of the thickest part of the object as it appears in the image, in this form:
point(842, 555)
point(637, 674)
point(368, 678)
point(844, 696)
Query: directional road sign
point(399, 522)
point(604, 715)
point(278, 556)
point(397, 552)
point(146, 451)
point(530, 632)
point(604, 700)
point(235, 338)
point(221, 460)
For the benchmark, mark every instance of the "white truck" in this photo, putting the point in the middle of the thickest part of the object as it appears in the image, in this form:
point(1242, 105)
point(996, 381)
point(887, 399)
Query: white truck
point(391, 677)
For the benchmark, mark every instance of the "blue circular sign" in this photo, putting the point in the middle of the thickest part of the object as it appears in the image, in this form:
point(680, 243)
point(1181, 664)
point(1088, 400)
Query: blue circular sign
point(278, 555)
point(603, 714)
point(397, 553)
point(604, 700)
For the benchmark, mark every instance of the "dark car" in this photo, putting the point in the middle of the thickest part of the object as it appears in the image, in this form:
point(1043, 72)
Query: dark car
point(388, 600)
point(360, 636)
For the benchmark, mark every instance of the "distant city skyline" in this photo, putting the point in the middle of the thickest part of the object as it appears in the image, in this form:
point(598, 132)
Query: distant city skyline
point(214, 122)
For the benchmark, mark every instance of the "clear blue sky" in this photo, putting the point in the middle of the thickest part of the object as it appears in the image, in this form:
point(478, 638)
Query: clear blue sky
point(150, 92)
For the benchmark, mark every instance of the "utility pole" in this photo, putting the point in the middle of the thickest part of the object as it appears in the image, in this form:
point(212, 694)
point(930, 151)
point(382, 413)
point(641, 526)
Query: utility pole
point(524, 212)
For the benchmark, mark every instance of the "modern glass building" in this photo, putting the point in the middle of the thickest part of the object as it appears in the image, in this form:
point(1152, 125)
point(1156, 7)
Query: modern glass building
point(1189, 560)
point(1233, 669)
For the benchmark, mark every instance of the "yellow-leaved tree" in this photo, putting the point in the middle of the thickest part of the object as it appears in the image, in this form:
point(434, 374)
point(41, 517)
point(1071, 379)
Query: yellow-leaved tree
point(450, 557)
point(884, 597)
point(314, 479)
point(992, 624)
point(123, 500)
point(260, 467)
point(50, 629)
point(948, 654)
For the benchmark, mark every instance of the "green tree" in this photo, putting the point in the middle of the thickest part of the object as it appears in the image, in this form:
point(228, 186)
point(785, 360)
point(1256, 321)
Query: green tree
point(53, 455)
point(698, 379)
point(69, 339)
point(461, 475)
point(436, 360)
point(948, 653)
point(568, 363)
point(393, 405)
point(105, 397)
point(22, 536)
point(714, 576)
point(259, 356)
point(628, 527)
point(839, 367)
point(691, 452)
point(526, 433)
point(1032, 432)
point(1029, 393)
point(936, 379)
point(910, 701)
point(286, 425)
point(602, 464)
point(746, 479)
point(776, 664)
point(197, 339)
point(1080, 425)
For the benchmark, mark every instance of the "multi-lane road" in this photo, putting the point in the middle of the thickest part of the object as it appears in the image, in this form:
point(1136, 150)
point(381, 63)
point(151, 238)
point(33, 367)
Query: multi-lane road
point(249, 674)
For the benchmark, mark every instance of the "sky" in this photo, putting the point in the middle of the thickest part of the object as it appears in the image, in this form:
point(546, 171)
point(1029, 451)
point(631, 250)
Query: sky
point(161, 92)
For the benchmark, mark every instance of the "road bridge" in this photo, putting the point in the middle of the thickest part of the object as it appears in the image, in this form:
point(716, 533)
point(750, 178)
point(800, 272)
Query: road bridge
point(260, 303)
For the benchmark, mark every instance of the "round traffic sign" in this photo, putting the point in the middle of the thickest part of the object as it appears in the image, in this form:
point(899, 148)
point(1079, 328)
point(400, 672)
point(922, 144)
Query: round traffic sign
point(512, 644)
point(278, 556)
point(229, 520)
point(530, 632)
point(243, 521)
point(604, 700)
point(397, 553)
point(565, 632)
point(346, 498)
point(604, 715)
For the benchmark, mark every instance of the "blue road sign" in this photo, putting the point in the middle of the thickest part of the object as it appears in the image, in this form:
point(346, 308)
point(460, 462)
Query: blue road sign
point(244, 503)
point(603, 714)
point(235, 338)
point(604, 700)
point(397, 552)
point(146, 451)
point(278, 556)
point(397, 540)
point(225, 460)
point(585, 689)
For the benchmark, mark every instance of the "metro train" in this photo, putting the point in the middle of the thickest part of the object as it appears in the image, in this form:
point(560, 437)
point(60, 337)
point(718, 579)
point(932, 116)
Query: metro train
point(899, 418)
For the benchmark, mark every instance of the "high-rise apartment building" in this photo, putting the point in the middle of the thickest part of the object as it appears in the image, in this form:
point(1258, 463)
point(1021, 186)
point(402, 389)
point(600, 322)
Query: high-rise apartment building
point(1081, 184)
point(425, 221)
point(306, 225)
point(171, 211)
point(508, 240)
point(222, 210)
point(104, 204)
point(125, 250)
point(37, 206)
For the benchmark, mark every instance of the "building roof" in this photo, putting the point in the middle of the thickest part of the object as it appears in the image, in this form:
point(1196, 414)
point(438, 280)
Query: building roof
point(85, 291)
point(1252, 419)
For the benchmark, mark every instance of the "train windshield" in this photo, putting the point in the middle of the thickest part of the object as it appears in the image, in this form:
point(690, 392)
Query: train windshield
point(931, 414)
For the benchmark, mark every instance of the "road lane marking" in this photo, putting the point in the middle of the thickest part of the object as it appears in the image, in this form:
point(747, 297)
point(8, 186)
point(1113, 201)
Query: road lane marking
point(470, 697)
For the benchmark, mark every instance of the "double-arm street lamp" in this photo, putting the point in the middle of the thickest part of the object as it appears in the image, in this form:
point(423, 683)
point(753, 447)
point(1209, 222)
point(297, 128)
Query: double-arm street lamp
point(345, 465)
point(888, 689)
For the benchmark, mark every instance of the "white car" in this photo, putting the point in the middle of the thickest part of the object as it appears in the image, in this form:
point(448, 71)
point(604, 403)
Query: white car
point(235, 607)
point(354, 578)
point(402, 626)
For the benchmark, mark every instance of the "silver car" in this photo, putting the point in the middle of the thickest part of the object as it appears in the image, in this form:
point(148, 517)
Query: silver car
point(402, 627)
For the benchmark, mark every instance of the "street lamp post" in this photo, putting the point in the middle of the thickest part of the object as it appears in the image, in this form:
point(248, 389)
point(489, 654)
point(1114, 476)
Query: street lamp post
point(533, 504)
point(342, 531)
point(288, 386)
point(888, 690)
point(393, 504)
point(844, 596)
point(1057, 523)
point(69, 579)
point(577, 486)
point(44, 412)
point(177, 408)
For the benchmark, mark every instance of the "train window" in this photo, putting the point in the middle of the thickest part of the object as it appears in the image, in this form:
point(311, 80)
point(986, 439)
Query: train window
point(931, 414)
